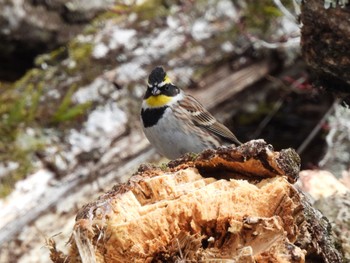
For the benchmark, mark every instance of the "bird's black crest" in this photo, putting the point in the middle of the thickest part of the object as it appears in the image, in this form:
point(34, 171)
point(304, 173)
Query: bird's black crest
point(157, 75)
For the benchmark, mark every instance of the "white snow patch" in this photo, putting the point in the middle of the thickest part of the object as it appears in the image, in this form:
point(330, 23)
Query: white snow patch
point(14, 14)
point(7, 167)
point(35, 182)
point(227, 47)
point(165, 42)
point(80, 142)
point(132, 2)
point(85, 38)
point(61, 163)
point(25, 191)
point(140, 51)
point(226, 8)
point(100, 50)
point(53, 93)
point(88, 5)
point(184, 74)
point(289, 27)
point(105, 120)
point(121, 57)
point(333, 3)
point(123, 37)
point(139, 90)
point(71, 64)
point(93, 91)
point(201, 30)
point(157, 45)
point(174, 23)
point(104, 123)
point(132, 18)
point(44, 66)
point(130, 72)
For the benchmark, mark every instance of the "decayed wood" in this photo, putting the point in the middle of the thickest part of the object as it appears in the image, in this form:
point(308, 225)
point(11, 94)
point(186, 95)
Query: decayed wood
point(186, 212)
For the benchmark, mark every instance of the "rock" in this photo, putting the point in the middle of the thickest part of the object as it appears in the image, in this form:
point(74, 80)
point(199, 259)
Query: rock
point(320, 184)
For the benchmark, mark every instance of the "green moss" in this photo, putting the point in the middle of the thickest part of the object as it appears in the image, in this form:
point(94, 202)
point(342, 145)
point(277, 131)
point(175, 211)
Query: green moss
point(22, 107)
point(21, 151)
point(153, 9)
point(192, 156)
point(28, 78)
point(52, 58)
point(80, 52)
point(92, 28)
point(26, 104)
point(67, 111)
point(18, 106)
point(117, 12)
point(147, 10)
point(260, 15)
point(164, 167)
point(8, 182)
point(80, 56)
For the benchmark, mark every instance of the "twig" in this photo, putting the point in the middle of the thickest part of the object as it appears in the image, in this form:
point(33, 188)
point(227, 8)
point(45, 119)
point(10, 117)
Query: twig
point(316, 129)
point(291, 42)
point(268, 118)
point(278, 104)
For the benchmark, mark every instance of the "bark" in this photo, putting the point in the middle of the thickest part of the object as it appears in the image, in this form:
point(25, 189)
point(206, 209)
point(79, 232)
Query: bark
point(325, 43)
point(187, 212)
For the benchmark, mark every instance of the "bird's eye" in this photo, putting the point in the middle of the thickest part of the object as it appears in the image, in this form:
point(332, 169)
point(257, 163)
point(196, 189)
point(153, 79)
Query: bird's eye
point(167, 88)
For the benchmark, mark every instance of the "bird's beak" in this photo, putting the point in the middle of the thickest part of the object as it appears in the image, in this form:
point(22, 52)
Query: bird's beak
point(155, 91)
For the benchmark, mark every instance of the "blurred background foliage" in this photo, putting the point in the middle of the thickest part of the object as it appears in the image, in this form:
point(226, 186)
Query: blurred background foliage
point(40, 101)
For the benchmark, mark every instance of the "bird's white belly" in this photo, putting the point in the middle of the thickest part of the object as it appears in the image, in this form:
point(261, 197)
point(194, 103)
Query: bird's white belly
point(170, 138)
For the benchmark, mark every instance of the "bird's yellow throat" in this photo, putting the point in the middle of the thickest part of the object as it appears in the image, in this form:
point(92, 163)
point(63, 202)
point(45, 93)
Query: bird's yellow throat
point(158, 101)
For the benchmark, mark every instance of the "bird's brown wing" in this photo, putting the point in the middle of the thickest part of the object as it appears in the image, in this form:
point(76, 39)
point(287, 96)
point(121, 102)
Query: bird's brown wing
point(202, 118)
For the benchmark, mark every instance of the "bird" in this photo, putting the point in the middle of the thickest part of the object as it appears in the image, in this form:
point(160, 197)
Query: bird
point(175, 123)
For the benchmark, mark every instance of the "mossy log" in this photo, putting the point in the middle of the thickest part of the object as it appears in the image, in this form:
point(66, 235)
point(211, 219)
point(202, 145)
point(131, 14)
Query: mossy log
point(233, 204)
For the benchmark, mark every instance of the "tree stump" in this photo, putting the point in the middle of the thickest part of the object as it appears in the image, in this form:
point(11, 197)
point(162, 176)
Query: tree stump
point(232, 204)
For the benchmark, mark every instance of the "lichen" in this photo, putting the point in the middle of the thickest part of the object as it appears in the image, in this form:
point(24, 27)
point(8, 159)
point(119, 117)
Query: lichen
point(52, 58)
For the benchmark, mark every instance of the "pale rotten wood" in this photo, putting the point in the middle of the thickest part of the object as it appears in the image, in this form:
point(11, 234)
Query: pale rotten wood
point(186, 212)
point(228, 215)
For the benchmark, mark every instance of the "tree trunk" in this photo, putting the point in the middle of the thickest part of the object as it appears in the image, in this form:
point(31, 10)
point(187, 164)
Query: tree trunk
point(325, 43)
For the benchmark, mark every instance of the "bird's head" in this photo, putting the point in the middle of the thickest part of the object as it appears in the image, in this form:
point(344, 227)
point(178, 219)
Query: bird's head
point(160, 90)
